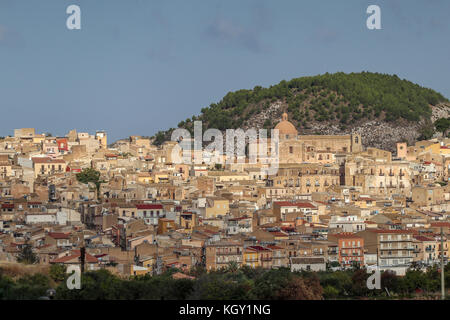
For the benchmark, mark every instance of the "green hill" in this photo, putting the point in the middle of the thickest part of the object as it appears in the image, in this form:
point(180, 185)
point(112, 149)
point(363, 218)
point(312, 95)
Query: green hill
point(312, 103)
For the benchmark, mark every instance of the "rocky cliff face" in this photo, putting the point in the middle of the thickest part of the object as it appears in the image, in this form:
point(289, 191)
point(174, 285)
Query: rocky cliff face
point(374, 133)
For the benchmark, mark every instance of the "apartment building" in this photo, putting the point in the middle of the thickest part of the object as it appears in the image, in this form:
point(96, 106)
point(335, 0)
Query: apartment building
point(220, 254)
point(350, 248)
point(394, 248)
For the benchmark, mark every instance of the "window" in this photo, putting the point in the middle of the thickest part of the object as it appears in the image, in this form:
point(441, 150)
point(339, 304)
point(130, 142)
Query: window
point(291, 149)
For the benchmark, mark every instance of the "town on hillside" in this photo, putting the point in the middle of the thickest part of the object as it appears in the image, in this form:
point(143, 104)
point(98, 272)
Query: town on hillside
point(130, 209)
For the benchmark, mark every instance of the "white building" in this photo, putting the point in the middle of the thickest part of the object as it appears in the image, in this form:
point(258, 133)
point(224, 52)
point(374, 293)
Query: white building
point(347, 223)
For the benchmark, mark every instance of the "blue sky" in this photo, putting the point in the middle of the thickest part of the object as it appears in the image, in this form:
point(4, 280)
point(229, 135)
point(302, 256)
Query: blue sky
point(139, 66)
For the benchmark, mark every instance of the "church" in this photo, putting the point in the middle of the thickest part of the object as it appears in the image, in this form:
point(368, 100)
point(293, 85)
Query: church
point(296, 148)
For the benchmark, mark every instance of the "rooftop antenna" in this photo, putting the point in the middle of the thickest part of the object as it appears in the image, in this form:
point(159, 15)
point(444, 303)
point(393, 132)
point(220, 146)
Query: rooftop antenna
point(82, 258)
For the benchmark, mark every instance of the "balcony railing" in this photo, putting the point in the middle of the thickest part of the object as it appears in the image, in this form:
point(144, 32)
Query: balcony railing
point(228, 253)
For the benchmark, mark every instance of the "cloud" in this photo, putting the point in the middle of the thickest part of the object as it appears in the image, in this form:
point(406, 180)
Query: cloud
point(248, 35)
point(228, 31)
point(10, 38)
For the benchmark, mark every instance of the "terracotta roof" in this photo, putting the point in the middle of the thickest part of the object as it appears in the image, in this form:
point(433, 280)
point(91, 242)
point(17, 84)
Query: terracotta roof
point(47, 160)
point(58, 235)
point(75, 254)
point(441, 224)
point(422, 238)
point(273, 247)
point(346, 235)
point(149, 206)
point(258, 248)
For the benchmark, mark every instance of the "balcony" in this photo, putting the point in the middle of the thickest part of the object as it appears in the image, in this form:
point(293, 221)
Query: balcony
point(227, 262)
point(266, 259)
point(228, 253)
point(395, 240)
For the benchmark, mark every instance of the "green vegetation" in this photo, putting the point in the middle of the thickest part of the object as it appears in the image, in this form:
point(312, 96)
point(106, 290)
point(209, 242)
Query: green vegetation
point(26, 255)
point(231, 283)
point(341, 98)
point(57, 272)
point(90, 175)
point(442, 125)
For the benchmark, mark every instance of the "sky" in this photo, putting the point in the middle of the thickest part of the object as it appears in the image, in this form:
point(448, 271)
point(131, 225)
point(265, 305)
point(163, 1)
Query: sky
point(139, 66)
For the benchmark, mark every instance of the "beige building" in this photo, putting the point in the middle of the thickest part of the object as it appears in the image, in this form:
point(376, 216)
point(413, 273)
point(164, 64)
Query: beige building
point(220, 255)
point(47, 166)
point(428, 196)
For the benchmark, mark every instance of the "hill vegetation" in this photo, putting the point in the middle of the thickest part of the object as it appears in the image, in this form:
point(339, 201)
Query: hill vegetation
point(344, 100)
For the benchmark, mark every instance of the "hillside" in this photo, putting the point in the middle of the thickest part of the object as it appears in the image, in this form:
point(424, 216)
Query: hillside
point(383, 108)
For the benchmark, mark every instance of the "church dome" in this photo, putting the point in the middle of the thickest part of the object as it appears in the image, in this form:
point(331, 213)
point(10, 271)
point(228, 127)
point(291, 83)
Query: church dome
point(285, 127)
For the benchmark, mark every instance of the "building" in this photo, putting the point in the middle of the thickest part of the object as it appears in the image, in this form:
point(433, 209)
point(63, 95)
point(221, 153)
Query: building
point(394, 248)
point(307, 264)
point(48, 166)
point(350, 248)
point(219, 255)
point(347, 223)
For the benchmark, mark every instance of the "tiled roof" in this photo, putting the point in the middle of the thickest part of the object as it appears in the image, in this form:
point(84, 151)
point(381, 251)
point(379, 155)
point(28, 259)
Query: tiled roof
point(47, 160)
point(75, 254)
point(58, 235)
point(149, 206)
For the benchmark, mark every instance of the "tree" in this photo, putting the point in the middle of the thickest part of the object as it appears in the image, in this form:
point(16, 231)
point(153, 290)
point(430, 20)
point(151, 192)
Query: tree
point(301, 289)
point(426, 132)
point(26, 255)
point(57, 272)
point(442, 125)
point(29, 287)
point(90, 175)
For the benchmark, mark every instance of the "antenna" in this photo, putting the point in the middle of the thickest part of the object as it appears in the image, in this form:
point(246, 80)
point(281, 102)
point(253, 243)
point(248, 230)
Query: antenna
point(82, 258)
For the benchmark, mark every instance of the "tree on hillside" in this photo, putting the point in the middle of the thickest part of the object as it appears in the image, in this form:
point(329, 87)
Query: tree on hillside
point(27, 255)
point(57, 272)
point(426, 131)
point(442, 125)
point(301, 289)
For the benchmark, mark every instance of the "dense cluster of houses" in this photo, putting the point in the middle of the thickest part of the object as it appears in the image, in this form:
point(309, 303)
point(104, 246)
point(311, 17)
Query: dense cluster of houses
point(331, 204)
